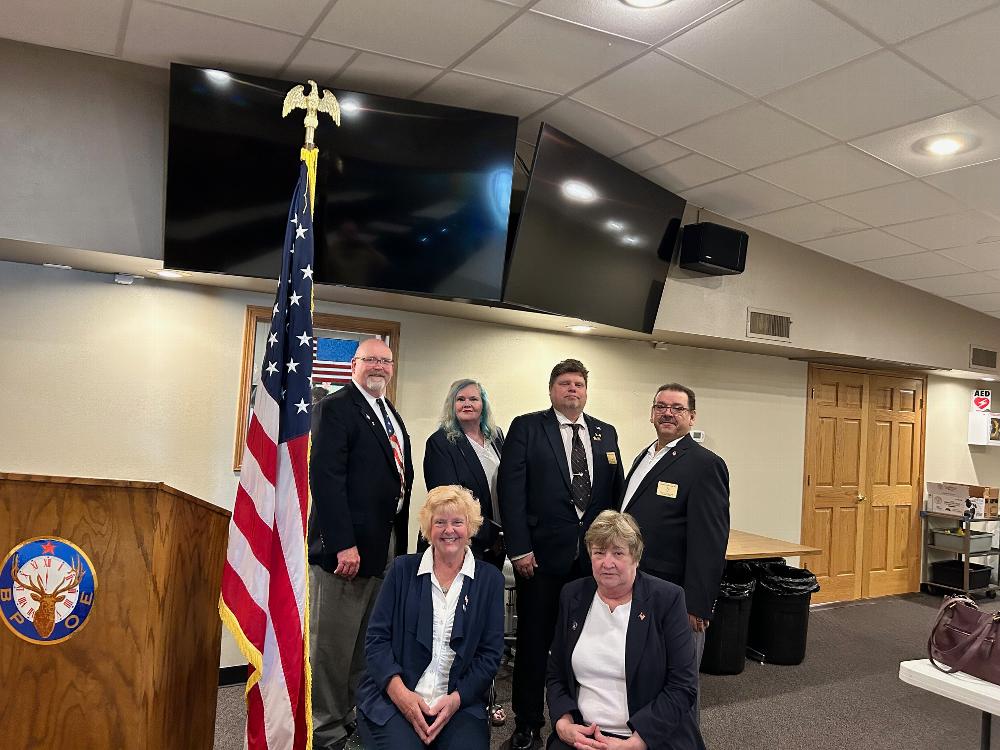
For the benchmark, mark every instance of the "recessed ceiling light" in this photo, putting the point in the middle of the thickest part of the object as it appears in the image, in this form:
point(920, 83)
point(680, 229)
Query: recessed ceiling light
point(614, 226)
point(218, 76)
point(168, 273)
point(60, 266)
point(581, 328)
point(946, 144)
point(577, 190)
point(645, 3)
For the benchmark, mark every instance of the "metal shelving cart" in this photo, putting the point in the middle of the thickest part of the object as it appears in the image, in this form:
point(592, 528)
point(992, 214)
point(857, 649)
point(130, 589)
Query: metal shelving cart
point(965, 555)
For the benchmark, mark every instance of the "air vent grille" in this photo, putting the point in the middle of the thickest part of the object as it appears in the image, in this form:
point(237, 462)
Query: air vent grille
point(982, 359)
point(768, 324)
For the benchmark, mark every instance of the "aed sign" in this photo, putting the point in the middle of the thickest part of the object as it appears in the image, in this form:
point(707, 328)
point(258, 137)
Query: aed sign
point(981, 400)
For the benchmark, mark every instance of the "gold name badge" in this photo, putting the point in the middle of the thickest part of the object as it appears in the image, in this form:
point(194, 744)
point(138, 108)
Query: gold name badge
point(666, 489)
point(612, 458)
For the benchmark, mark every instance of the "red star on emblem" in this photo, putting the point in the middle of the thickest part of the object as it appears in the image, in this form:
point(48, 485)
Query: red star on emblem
point(48, 548)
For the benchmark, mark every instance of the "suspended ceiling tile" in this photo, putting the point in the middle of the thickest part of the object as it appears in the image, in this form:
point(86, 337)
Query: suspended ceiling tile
point(894, 204)
point(762, 135)
point(943, 232)
point(974, 125)
point(977, 186)
point(647, 25)
point(963, 53)
point(981, 302)
point(651, 155)
point(159, 34)
point(601, 132)
point(472, 92)
point(963, 283)
point(865, 245)
point(318, 61)
point(86, 25)
point(688, 172)
point(895, 20)
point(921, 265)
point(296, 17)
point(764, 45)
point(982, 257)
point(872, 94)
point(741, 196)
point(659, 94)
point(808, 222)
point(830, 172)
point(548, 54)
point(378, 74)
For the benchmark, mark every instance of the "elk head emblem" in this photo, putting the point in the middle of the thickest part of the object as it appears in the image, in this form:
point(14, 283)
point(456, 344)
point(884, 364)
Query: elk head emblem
point(45, 617)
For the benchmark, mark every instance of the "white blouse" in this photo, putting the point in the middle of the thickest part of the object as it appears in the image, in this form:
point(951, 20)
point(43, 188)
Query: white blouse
point(490, 462)
point(599, 666)
point(433, 683)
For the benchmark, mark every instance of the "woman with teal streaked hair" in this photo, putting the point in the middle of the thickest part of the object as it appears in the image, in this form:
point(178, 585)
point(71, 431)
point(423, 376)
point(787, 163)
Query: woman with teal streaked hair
point(465, 450)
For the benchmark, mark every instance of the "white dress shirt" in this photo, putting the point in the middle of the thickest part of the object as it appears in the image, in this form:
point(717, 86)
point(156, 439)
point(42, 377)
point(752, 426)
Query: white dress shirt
point(433, 683)
point(566, 432)
point(490, 462)
point(599, 667)
point(645, 465)
point(373, 403)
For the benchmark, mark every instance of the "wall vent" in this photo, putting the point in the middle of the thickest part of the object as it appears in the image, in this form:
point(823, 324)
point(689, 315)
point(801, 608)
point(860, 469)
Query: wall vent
point(982, 359)
point(768, 324)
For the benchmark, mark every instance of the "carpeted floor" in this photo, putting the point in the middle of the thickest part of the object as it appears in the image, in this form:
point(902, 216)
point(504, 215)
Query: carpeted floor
point(845, 696)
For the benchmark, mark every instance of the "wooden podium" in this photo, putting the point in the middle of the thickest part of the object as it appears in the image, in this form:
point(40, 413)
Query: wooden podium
point(142, 671)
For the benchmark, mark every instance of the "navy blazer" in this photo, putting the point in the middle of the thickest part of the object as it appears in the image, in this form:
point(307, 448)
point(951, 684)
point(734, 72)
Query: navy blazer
point(534, 488)
point(401, 630)
point(661, 676)
point(686, 535)
point(355, 483)
point(446, 463)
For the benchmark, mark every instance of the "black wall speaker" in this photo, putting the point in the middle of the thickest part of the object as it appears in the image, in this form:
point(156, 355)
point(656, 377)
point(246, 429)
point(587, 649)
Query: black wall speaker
point(713, 249)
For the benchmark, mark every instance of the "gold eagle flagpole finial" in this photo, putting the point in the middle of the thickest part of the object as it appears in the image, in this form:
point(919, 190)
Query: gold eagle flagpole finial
point(312, 103)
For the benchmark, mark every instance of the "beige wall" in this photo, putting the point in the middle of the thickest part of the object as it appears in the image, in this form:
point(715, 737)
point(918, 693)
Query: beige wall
point(140, 382)
point(949, 458)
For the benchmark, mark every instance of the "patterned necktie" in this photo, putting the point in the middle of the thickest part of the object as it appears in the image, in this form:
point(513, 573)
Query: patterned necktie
point(397, 451)
point(581, 474)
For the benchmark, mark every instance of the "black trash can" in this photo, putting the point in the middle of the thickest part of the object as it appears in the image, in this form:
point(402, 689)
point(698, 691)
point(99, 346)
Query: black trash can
point(779, 617)
point(726, 637)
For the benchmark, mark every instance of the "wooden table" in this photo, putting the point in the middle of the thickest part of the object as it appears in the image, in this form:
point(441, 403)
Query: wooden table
point(959, 687)
point(746, 546)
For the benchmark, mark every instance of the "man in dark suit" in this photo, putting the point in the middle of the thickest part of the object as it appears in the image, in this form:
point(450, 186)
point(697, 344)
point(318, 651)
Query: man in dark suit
point(361, 475)
point(559, 469)
point(678, 493)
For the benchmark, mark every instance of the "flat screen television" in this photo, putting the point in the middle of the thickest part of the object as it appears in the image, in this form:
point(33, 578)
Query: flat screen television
point(410, 197)
point(594, 239)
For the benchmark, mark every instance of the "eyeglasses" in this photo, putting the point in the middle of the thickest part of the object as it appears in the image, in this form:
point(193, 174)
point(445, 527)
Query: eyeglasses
point(674, 409)
point(385, 361)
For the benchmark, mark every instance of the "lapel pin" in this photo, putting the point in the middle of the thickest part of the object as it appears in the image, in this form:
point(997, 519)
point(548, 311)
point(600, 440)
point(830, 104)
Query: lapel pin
point(574, 624)
point(466, 601)
point(674, 453)
point(642, 615)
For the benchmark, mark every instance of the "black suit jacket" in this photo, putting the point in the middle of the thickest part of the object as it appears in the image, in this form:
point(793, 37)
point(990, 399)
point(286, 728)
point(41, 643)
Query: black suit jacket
point(661, 676)
point(534, 490)
point(457, 463)
point(686, 535)
point(355, 483)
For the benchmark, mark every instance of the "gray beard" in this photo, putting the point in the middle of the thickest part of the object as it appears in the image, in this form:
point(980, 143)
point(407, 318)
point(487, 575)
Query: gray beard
point(375, 385)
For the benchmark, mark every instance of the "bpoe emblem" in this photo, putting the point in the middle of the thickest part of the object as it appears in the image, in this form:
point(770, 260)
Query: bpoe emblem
point(47, 590)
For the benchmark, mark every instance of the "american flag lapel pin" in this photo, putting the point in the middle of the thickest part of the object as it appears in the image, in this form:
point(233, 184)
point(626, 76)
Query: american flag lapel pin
point(574, 624)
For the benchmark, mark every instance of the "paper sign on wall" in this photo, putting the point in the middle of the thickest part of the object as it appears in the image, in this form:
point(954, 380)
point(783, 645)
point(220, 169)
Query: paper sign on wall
point(981, 400)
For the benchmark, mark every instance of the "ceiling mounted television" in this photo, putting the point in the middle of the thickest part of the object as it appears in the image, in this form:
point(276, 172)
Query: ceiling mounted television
point(410, 197)
point(594, 239)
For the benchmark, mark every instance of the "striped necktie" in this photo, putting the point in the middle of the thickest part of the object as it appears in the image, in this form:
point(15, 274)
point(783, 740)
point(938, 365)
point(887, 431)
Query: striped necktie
point(397, 451)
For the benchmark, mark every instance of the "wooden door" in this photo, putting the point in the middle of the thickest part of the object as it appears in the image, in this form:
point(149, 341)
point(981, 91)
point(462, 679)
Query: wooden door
point(863, 482)
point(892, 531)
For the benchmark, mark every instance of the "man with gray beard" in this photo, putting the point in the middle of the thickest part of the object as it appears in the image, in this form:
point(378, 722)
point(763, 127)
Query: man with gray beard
point(361, 475)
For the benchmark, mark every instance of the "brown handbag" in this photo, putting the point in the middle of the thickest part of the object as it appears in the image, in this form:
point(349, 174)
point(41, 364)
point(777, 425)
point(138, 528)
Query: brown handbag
point(964, 640)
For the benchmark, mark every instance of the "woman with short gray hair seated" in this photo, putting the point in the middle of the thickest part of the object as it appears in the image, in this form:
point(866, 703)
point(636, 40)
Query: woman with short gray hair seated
point(622, 672)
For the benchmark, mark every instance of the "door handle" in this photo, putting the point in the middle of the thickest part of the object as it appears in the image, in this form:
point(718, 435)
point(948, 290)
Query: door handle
point(861, 498)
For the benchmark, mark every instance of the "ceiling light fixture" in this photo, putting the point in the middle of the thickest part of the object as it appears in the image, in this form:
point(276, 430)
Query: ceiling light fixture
point(644, 3)
point(169, 273)
point(947, 144)
point(577, 190)
point(60, 266)
point(580, 328)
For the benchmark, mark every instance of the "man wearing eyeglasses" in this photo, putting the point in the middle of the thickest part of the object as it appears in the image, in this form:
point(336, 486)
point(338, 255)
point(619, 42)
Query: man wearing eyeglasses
point(361, 475)
point(678, 493)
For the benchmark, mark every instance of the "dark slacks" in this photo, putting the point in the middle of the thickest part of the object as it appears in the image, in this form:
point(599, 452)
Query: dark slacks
point(462, 732)
point(537, 612)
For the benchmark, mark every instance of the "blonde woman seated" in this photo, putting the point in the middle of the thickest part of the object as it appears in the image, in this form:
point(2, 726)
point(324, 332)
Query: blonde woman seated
point(622, 671)
point(435, 637)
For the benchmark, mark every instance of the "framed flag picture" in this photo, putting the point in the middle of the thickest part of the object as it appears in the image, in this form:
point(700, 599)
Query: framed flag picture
point(335, 339)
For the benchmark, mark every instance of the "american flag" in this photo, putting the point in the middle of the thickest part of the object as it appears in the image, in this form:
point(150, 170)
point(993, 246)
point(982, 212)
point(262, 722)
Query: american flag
point(332, 360)
point(265, 580)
